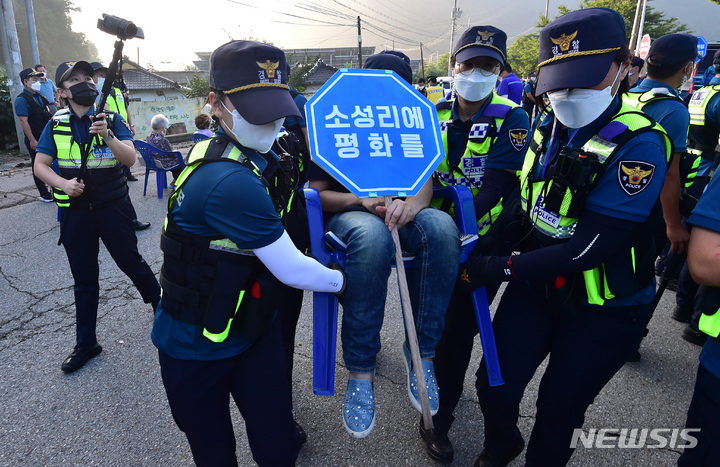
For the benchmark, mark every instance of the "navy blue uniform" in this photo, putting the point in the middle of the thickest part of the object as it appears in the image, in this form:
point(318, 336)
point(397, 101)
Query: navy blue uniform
point(82, 227)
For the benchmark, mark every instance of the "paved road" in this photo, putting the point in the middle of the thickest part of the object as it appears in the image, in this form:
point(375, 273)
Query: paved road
point(114, 411)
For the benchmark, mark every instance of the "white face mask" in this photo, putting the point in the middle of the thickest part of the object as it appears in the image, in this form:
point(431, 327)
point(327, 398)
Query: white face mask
point(579, 107)
point(100, 83)
point(257, 137)
point(36, 86)
point(474, 87)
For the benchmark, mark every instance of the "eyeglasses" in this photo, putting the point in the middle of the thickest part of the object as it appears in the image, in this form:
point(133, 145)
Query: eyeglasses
point(486, 69)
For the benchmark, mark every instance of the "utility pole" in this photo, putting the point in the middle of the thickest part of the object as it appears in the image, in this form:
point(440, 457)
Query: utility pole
point(641, 24)
point(13, 62)
point(31, 31)
point(359, 45)
point(422, 62)
point(455, 16)
point(634, 36)
point(547, 7)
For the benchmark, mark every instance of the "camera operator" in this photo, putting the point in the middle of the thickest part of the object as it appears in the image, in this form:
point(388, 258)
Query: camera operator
point(93, 196)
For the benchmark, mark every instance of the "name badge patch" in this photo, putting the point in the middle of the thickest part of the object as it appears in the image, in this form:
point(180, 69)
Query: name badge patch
point(473, 165)
point(102, 152)
point(635, 176)
point(545, 215)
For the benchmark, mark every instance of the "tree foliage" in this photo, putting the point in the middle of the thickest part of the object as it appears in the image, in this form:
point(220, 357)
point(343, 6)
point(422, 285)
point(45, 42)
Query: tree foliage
point(523, 53)
point(7, 123)
point(434, 68)
point(198, 86)
point(299, 66)
point(57, 42)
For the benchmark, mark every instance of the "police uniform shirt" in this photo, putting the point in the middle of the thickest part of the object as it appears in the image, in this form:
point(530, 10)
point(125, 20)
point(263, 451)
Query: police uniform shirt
point(503, 154)
point(81, 132)
point(22, 106)
point(227, 199)
point(707, 215)
point(612, 196)
point(671, 114)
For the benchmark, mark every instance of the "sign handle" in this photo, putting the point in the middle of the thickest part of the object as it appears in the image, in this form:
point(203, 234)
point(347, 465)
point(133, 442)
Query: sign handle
point(410, 326)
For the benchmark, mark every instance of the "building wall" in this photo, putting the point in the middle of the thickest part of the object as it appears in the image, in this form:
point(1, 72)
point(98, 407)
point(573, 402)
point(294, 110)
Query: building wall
point(177, 111)
point(152, 95)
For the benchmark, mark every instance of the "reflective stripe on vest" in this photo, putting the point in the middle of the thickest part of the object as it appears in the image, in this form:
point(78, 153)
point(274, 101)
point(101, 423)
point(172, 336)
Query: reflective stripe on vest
point(710, 324)
point(558, 225)
point(704, 135)
point(472, 162)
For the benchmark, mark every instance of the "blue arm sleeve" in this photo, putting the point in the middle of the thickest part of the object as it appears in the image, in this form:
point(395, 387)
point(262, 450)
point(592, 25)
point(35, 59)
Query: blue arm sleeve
point(46, 143)
point(596, 238)
point(707, 212)
point(496, 185)
point(121, 130)
point(22, 108)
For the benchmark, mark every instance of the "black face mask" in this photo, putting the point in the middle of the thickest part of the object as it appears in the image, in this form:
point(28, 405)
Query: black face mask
point(84, 93)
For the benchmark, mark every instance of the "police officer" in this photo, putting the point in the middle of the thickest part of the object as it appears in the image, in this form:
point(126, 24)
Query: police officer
point(703, 257)
point(529, 95)
point(703, 138)
point(434, 91)
point(485, 138)
point(670, 64)
point(636, 67)
point(116, 103)
point(33, 111)
point(224, 246)
point(580, 291)
point(93, 196)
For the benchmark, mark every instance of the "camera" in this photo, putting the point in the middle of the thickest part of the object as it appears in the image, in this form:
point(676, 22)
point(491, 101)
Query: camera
point(119, 27)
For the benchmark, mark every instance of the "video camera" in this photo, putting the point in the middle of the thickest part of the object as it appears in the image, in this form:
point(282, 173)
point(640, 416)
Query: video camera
point(119, 27)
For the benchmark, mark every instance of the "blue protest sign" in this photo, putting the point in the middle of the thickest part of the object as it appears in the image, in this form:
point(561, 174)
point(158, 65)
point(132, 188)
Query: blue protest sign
point(702, 48)
point(374, 133)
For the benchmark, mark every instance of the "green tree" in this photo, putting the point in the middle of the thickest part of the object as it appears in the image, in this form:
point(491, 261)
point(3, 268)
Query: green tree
point(7, 121)
point(434, 69)
point(57, 42)
point(523, 54)
point(299, 68)
point(198, 86)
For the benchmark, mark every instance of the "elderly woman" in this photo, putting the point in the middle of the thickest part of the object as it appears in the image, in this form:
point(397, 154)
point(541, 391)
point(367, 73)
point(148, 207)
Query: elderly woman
point(159, 124)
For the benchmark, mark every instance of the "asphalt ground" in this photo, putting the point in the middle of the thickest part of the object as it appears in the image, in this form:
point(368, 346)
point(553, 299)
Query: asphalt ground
point(114, 411)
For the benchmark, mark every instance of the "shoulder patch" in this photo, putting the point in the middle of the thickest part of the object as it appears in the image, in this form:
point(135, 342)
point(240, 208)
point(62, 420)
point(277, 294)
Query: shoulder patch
point(518, 138)
point(635, 176)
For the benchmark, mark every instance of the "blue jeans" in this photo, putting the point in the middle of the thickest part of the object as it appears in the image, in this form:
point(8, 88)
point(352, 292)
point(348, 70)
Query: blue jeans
point(434, 240)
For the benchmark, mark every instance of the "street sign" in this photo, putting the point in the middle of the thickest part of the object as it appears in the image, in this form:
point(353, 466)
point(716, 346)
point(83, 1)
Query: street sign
point(702, 48)
point(644, 46)
point(374, 133)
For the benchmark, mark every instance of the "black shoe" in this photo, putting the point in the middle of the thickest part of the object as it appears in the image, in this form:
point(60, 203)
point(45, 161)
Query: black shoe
point(141, 225)
point(80, 357)
point(693, 335)
point(301, 432)
point(487, 459)
point(672, 284)
point(682, 313)
point(438, 444)
point(131, 178)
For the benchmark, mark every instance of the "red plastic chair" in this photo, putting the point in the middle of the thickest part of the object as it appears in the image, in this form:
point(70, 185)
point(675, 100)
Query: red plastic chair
point(146, 151)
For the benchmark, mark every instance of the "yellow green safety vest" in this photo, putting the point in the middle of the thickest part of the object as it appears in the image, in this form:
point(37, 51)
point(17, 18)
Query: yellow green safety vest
point(622, 127)
point(434, 93)
point(69, 153)
point(689, 162)
point(224, 249)
point(704, 135)
point(116, 103)
point(471, 167)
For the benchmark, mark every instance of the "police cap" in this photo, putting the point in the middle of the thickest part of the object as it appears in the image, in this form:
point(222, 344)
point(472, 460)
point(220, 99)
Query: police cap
point(673, 49)
point(253, 75)
point(29, 73)
point(65, 69)
point(638, 62)
point(389, 61)
point(97, 66)
point(578, 48)
point(481, 41)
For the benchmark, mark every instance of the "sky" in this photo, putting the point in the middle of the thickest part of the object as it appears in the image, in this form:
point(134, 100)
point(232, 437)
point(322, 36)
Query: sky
point(173, 33)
